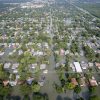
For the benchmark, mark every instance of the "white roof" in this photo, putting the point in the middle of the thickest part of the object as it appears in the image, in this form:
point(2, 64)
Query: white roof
point(42, 66)
point(72, 66)
point(45, 71)
point(90, 64)
point(15, 71)
point(17, 76)
point(78, 67)
point(14, 66)
point(1, 53)
point(13, 83)
point(20, 52)
point(7, 65)
point(34, 65)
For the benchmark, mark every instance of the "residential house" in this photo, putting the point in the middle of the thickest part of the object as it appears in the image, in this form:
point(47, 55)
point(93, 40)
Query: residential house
point(5, 82)
point(30, 80)
point(74, 81)
point(13, 83)
point(1, 53)
point(7, 65)
point(62, 51)
point(84, 65)
point(45, 71)
point(72, 66)
point(33, 66)
point(14, 66)
point(97, 65)
point(15, 71)
point(93, 82)
point(20, 52)
point(82, 81)
point(43, 66)
point(90, 64)
point(78, 67)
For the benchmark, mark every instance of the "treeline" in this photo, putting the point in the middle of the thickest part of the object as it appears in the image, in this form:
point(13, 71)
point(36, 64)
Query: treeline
point(13, 1)
point(3, 6)
point(93, 8)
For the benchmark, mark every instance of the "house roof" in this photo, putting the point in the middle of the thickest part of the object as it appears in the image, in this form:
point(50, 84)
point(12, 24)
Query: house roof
point(82, 82)
point(90, 64)
point(13, 83)
point(42, 66)
point(93, 82)
point(33, 65)
point(78, 67)
point(84, 65)
point(29, 80)
point(73, 80)
point(72, 66)
point(14, 66)
point(5, 82)
point(97, 65)
point(15, 71)
point(7, 65)
point(1, 53)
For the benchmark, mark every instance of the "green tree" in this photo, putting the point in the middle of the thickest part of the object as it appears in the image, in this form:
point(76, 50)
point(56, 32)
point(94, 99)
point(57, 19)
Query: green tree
point(3, 74)
point(74, 47)
point(59, 89)
point(4, 91)
point(95, 97)
point(80, 98)
point(92, 89)
point(90, 54)
point(25, 89)
point(38, 97)
point(35, 87)
point(69, 86)
point(1, 97)
point(77, 89)
point(26, 97)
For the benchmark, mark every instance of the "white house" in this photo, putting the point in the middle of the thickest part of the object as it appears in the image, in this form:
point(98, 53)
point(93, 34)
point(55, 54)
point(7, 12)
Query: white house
point(45, 71)
point(20, 52)
point(14, 66)
point(13, 83)
point(33, 66)
point(43, 66)
point(84, 65)
point(7, 65)
point(1, 53)
point(78, 67)
point(15, 71)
